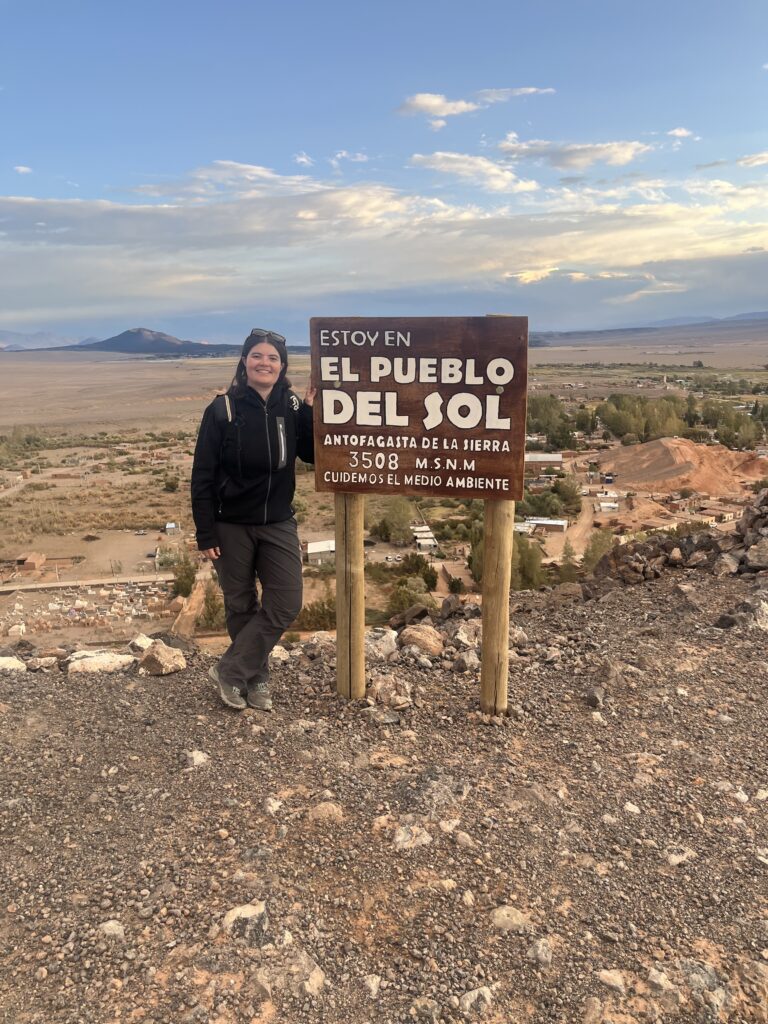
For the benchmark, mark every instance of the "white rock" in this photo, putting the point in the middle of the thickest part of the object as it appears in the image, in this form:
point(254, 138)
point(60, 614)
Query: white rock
point(99, 661)
point(381, 645)
point(540, 952)
point(510, 919)
point(279, 653)
point(112, 930)
point(272, 805)
point(140, 643)
point(12, 665)
point(631, 808)
point(161, 660)
point(17, 630)
point(408, 837)
point(197, 758)
point(465, 840)
point(372, 983)
point(680, 856)
point(468, 898)
point(613, 980)
point(478, 999)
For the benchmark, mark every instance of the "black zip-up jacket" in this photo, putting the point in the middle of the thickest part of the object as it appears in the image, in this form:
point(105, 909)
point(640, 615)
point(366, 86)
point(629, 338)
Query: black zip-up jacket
point(244, 471)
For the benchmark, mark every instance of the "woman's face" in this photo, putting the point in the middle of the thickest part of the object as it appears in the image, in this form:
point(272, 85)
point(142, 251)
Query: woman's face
point(262, 366)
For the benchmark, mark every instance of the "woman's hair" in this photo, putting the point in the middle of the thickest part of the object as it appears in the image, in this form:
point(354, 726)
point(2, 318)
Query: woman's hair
point(259, 337)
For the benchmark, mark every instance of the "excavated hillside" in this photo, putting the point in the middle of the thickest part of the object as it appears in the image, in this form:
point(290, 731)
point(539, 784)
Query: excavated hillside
point(671, 463)
point(598, 855)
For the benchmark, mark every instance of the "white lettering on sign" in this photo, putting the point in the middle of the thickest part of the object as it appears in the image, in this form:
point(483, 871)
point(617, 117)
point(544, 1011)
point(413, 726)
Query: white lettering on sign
point(465, 411)
point(364, 408)
point(332, 339)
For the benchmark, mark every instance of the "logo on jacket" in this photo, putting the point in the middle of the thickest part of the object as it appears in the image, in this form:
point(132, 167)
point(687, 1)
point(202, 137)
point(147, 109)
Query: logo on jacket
point(295, 403)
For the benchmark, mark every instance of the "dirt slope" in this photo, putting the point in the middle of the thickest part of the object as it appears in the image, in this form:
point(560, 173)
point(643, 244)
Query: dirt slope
point(573, 863)
point(671, 463)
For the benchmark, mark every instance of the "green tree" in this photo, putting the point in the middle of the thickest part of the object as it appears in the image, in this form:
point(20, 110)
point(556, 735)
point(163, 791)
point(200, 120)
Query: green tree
point(212, 615)
point(598, 545)
point(429, 575)
point(568, 570)
point(530, 555)
point(184, 573)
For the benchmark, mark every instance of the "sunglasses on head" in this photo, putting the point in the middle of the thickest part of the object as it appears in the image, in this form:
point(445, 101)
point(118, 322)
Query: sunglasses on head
point(257, 332)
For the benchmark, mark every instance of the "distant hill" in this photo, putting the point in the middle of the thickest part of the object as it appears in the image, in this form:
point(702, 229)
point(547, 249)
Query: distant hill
point(14, 341)
point(141, 341)
point(685, 331)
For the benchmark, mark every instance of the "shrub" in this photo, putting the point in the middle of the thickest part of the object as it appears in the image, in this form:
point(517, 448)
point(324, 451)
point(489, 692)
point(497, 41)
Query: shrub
point(212, 615)
point(456, 585)
point(184, 573)
point(171, 483)
point(318, 614)
point(598, 545)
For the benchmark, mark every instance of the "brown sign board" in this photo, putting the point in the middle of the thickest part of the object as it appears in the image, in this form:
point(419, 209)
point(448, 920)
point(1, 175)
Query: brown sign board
point(420, 405)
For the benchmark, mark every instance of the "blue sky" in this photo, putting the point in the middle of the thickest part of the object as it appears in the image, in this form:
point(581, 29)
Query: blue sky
point(203, 169)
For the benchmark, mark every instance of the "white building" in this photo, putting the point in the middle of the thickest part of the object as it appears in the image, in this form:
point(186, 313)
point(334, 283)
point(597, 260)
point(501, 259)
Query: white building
point(548, 525)
point(317, 552)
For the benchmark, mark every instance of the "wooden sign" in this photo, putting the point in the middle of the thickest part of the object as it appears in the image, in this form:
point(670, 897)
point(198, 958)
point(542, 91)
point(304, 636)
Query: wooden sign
point(420, 405)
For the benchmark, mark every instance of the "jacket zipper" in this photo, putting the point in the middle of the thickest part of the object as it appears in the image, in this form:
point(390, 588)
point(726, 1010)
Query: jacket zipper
point(269, 453)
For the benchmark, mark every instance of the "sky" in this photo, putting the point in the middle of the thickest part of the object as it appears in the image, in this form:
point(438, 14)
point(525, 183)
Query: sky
point(203, 169)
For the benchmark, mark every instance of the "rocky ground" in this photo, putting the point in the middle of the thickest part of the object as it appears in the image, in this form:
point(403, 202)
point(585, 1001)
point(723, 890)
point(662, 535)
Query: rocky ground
point(599, 855)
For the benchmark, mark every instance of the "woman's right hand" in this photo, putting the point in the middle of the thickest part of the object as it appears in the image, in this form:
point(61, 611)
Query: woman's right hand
point(212, 553)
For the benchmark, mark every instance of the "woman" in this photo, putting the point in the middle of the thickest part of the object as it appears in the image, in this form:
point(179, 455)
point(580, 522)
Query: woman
point(243, 480)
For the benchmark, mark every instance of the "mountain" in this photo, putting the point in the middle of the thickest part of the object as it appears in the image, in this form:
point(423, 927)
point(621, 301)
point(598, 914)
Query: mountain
point(141, 341)
point(747, 316)
point(13, 341)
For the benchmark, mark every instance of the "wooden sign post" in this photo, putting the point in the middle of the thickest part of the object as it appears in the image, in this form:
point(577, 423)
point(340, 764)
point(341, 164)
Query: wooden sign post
point(422, 406)
point(350, 596)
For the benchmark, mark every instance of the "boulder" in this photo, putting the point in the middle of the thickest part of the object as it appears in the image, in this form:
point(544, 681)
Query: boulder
point(756, 557)
point(380, 645)
point(425, 638)
point(510, 919)
point(12, 665)
point(393, 691)
point(467, 661)
point(160, 660)
point(99, 661)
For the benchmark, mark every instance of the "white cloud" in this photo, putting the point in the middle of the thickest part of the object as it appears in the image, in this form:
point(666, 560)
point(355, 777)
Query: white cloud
point(21, 169)
point(343, 154)
point(755, 160)
point(680, 133)
point(302, 159)
point(434, 104)
point(502, 95)
point(438, 107)
point(229, 235)
point(534, 276)
point(573, 155)
point(486, 173)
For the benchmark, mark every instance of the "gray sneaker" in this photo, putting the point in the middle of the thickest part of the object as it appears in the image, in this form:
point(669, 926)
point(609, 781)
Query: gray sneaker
point(258, 695)
point(230, 695)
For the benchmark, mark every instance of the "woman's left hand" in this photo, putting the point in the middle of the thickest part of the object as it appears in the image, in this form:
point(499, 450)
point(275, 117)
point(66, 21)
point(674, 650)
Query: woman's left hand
point(309, 396)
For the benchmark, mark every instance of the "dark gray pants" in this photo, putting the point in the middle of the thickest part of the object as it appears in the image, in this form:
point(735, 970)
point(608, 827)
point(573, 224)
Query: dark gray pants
point(270, 555)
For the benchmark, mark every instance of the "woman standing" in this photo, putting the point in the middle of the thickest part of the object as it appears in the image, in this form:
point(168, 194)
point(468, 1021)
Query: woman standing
point(243, 481)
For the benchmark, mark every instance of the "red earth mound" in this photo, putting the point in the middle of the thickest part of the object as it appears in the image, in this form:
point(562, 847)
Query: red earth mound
point(672, 462)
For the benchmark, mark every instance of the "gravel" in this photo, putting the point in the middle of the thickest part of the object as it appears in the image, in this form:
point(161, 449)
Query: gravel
point(169, 861)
